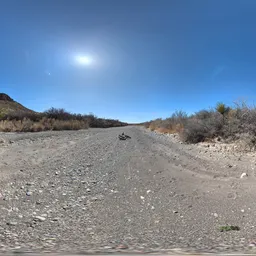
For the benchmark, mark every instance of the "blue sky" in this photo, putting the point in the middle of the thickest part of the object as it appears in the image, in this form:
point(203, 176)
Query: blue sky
point(142, 58)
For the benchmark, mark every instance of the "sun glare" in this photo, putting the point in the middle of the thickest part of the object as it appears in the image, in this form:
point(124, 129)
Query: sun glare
point(84, 60)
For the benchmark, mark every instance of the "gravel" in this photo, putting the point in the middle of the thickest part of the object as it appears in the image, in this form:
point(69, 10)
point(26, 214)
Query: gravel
point(82, 191)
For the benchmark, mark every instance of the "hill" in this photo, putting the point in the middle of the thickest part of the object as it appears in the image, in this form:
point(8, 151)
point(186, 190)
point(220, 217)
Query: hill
point(9, 106)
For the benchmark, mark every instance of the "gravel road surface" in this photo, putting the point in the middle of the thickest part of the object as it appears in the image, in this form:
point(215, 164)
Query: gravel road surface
point(88, 191)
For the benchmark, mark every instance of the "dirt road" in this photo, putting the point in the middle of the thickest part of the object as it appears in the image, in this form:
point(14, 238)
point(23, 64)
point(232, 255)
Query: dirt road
point(80, 191)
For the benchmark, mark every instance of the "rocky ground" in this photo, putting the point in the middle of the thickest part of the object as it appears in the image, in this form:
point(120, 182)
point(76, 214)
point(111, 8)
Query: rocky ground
point(88, 191)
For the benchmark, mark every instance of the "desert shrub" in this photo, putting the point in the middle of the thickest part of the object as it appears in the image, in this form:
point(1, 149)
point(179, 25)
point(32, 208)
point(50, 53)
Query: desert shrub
point(172, 124)
point(194, 132)
point(37, 127)
point(6, 126)
point(20, 115)
point(26, 125)
point(222, 108)
point(69, 125)
point(201, 126)
point(203, 114)
point(58, 114)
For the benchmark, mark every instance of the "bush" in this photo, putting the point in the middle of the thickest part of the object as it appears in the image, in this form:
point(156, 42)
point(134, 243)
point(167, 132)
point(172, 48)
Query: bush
point(194, 132)
point(52, 119)
point(59, 114)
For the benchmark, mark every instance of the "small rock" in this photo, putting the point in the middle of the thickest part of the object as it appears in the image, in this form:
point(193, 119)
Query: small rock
point(88, 190)
point(175, 211)
point(215, 215)
point(11, 223)
point(242, 210)
point(28, 193)
point(39, 218)
point(122, 246)
point(56, 173)
point(244, 174)
point(230, 165)
point(142, 197)
point(108, 247)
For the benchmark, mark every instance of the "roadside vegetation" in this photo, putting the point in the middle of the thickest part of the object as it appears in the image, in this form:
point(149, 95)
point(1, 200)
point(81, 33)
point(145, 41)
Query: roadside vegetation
point(221, 122)
point(52, 119)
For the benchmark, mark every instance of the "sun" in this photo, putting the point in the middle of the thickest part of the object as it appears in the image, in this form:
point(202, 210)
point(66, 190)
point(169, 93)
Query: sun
point(84, 60)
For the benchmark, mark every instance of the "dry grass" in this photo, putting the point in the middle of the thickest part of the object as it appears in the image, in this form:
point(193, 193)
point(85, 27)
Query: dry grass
point(173, 124)
point(26, 125)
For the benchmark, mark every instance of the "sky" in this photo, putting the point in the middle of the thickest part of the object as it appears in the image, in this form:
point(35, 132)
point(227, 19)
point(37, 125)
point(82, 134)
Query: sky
point(134, 60)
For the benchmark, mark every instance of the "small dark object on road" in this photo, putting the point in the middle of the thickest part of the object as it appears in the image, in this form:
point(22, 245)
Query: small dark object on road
point(229, 228)
point(123, 136)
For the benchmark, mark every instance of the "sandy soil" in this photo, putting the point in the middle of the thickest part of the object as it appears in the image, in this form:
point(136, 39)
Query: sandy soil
point(80, 191)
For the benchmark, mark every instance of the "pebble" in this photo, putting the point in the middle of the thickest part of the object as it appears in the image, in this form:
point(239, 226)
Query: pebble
point(108, 247)
point(215, 215)
point(122, 246)
point(39, 218)
point(244, 174)
point(28, 193)
point(11, 223)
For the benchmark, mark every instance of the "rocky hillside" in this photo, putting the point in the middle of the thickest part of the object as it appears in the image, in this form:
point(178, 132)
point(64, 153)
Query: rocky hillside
point(8, 105)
